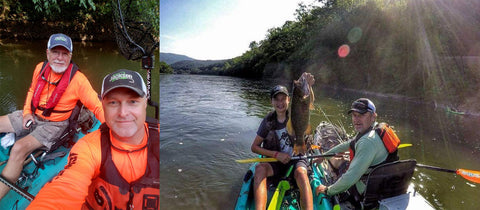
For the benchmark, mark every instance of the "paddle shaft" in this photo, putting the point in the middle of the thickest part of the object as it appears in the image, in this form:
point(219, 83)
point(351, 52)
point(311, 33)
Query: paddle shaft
point(436, 168)
point(312, 156)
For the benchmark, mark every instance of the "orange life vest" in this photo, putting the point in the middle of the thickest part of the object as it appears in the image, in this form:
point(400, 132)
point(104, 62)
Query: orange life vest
point(60, 88)
point(111, 191)
point(389, 138)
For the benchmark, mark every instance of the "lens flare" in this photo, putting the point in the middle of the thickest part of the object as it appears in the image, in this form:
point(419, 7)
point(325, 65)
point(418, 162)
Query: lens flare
point(354, 35)
point(343, 51)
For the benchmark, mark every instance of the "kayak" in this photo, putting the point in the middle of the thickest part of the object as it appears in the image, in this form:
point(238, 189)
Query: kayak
point(329, 135)
point(292, 196)
point(33, 177)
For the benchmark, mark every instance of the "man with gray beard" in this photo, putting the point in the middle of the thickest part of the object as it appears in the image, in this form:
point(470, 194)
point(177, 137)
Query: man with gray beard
point(57, 85)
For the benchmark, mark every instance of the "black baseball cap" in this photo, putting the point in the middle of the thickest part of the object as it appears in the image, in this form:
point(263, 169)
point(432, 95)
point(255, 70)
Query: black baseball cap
point(278, 89)
point(362, 105)
point(60, 40)
point(124, 78)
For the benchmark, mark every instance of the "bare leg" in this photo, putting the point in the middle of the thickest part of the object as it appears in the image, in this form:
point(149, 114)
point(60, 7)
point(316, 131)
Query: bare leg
point(5, 125)
point(301, 176)
point(20, 150)
point(262, 171)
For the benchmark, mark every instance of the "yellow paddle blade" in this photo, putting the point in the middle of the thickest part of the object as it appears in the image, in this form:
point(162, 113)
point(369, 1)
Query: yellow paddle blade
point(404, 145)
point(313, 146)
point(470, 175)
point(253, 160)
point(277, 197)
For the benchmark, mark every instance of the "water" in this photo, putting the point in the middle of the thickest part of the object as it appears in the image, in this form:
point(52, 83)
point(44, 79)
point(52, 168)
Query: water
point(207, 122)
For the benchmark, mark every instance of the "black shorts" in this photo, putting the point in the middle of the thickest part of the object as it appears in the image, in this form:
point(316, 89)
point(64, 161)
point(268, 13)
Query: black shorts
point(280, 169)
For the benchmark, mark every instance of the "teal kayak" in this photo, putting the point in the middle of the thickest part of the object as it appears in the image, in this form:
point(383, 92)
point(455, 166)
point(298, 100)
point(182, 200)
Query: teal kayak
point(292, 196)
point(33, 177)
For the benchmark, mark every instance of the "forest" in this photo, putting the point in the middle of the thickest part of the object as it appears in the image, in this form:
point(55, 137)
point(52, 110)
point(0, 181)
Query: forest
point(85, 20)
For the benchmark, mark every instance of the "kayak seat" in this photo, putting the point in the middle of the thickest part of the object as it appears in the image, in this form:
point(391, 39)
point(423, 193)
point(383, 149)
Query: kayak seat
point(387, 180)
point(67, 138)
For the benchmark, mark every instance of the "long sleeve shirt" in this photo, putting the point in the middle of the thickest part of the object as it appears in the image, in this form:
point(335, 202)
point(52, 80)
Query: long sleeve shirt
point(69, 188)
point(369, 151)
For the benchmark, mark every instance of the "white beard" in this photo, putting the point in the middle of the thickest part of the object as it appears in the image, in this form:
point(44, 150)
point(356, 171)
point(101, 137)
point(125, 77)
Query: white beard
point(58, 69)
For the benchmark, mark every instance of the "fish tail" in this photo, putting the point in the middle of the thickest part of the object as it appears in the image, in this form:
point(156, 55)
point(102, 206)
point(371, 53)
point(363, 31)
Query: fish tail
point(300, 149)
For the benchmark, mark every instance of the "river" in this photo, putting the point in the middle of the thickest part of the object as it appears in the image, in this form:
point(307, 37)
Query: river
point(207, 122)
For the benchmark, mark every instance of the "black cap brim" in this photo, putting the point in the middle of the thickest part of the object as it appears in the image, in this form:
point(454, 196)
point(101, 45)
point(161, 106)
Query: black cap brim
point(278, 92)
point(357, 110)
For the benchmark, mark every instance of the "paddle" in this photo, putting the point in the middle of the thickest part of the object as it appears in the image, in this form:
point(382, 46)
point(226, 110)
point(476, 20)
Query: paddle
point(404, 145)
point(470, 175)
point(253, 160)
point(282, 187)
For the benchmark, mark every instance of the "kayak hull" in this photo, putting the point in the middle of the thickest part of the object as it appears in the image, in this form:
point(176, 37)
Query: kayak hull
point(291, 200)
point(35, 178)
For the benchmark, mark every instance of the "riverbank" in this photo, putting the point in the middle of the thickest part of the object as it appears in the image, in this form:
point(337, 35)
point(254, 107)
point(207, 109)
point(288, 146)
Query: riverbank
point(41, 30)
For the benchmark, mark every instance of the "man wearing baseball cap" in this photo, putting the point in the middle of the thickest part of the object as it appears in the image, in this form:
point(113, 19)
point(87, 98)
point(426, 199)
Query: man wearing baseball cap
point(366, 150)
point(107, 164)
point(57, 85)
point(272, 140)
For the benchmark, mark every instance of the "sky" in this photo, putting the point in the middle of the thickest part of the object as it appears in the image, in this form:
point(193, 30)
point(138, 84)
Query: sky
point(219, 29)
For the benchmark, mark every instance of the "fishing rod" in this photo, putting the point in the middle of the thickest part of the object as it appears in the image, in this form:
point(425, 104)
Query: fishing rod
point(17, 189)
point(253, 160)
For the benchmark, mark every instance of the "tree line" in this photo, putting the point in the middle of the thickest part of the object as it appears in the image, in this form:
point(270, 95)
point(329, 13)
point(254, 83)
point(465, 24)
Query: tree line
point(85, 20)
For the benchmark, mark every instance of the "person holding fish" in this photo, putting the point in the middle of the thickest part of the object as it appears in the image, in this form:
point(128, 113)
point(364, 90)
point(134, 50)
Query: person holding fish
point(275, 140)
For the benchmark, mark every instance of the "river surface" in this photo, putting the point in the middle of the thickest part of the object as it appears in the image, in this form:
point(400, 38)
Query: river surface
point(208, 122)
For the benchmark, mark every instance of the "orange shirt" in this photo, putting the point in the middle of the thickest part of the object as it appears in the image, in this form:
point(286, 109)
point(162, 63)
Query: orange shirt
point(79, 88)
point(69, 189)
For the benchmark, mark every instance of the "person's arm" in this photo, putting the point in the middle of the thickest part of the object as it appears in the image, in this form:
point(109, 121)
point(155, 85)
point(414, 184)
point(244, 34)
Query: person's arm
point(256, 148)
point(27, 107)
point(70, 187)
point(89, 97)
point(359, 165)
point(343, 147)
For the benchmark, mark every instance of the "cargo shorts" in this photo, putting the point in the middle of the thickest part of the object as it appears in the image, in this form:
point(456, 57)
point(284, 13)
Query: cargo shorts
point(45, 131)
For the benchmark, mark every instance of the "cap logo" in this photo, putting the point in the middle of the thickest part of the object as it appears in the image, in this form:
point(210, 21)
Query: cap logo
point(122, 75)
point(61, 38)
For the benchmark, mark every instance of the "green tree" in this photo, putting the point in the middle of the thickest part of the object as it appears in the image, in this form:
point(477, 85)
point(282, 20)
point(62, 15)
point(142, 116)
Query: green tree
point(165, 68)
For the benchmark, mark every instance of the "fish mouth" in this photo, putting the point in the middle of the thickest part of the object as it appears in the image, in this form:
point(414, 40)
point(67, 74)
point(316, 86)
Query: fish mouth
point(305, 88)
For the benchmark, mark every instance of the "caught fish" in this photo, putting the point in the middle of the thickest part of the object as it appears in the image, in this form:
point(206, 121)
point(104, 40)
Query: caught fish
point(299, 123)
